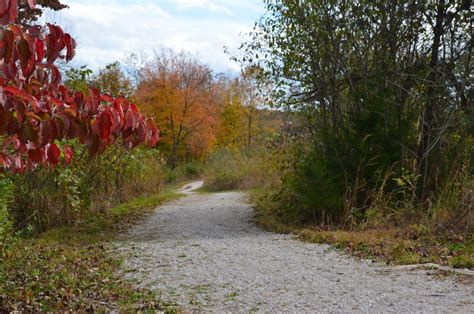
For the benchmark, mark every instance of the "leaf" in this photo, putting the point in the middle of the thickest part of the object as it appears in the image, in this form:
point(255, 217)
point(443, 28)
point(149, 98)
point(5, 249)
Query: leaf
point(68, 153)
point(105, 125)
point(39, 48)
point(8, 41)
point(70, 47)
point(25, 55)
point(23, 95)
point(45, 133)
point(53, 153)
point(36, 155)
point(55, 76)
point(13, 10)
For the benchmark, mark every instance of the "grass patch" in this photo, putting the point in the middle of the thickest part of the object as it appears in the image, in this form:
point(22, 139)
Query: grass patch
point(408, 245)
point(69, 268)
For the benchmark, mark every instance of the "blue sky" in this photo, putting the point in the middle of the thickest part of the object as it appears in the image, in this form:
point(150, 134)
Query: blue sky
point(109, 30)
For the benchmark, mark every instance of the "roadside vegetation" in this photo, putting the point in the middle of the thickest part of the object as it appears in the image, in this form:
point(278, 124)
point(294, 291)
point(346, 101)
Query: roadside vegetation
point(376, 154)
point(71, 267)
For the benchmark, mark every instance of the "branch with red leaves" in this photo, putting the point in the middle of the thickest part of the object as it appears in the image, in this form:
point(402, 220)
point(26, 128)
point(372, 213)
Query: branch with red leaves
point(36, 110)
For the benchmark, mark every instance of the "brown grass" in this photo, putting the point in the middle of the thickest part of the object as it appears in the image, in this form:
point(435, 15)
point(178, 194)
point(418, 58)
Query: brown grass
point(412, 244)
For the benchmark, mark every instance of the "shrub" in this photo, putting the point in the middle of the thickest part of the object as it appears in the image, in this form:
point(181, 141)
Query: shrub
point(45, 198)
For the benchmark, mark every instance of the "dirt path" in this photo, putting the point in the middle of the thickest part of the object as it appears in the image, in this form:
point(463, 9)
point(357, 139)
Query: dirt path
point(203, 252)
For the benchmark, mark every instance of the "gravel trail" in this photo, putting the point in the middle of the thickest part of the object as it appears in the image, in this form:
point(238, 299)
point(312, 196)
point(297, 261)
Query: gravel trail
point(204, 253)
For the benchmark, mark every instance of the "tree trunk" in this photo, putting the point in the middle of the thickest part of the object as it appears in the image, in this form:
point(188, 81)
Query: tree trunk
point(429, 111)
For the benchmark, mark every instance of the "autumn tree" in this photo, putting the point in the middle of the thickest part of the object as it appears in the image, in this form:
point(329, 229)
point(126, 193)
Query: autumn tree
point(231, 130)
point(252, 92)
point(180, 92)
point(242, 102)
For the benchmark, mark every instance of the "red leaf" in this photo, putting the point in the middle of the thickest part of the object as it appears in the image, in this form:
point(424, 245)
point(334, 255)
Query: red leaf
point(105, 125)
point(45, 133)
point(3, 7)
point(35, 155)
point(39, 50)
point(68, 153)
point(106, 98)
point(8, 41)
point(153, 134)
point(24, 53)
point(22, 94)
point(55, 76)
point(70, 47)
point(32, 3)
point(53, 153)
point(13, 10)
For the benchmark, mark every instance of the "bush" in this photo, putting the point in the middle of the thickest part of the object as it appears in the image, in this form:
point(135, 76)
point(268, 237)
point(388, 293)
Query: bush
point(50, 197)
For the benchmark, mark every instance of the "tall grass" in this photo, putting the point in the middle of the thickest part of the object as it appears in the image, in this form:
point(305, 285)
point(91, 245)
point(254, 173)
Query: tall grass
point(46, 198)
point(228, 169)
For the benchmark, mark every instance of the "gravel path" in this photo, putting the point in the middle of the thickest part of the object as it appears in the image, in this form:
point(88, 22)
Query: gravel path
point(203, 252)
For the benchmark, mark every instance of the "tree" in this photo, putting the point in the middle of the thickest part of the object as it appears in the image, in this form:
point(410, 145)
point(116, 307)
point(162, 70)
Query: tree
point(36, 111)
point(231, 127)
point(252, 93)
point(383, 87)
point(178, 90)
point(112, 81)
point(27, 14)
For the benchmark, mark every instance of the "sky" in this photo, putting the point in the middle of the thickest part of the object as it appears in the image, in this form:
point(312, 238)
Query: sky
point(109, 30)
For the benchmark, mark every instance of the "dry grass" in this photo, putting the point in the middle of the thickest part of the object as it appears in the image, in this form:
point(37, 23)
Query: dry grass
point(70, 268)
point(408, 245)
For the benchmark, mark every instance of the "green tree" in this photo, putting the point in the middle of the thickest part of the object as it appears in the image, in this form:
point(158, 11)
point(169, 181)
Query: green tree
point(113, 81)
point(382, 87)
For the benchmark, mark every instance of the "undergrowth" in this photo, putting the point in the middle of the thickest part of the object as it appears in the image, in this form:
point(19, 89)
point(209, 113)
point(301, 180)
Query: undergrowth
point(70, 268)
point(407, 244)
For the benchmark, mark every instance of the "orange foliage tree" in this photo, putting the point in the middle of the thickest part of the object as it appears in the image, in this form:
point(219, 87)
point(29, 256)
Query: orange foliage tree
point(182, 94)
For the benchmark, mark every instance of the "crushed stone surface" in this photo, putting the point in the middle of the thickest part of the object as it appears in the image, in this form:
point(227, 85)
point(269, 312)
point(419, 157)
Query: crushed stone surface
point(204, 253)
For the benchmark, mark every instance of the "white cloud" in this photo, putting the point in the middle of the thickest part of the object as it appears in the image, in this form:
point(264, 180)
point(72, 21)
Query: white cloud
point(107, 31)
point(212, 6)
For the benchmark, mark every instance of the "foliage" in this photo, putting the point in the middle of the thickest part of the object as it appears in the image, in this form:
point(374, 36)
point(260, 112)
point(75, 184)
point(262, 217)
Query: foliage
point(70, 268)
point(113, 81)
point(379, 91)
point(78, 79)
point(45, 198)
point(36, 110)
point(28, 15)
point(185, 172)
point(179, 91)
point(6, 193)
point(241, 124)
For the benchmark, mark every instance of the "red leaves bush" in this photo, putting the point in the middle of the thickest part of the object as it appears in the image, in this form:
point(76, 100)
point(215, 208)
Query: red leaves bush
point(36, 110)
